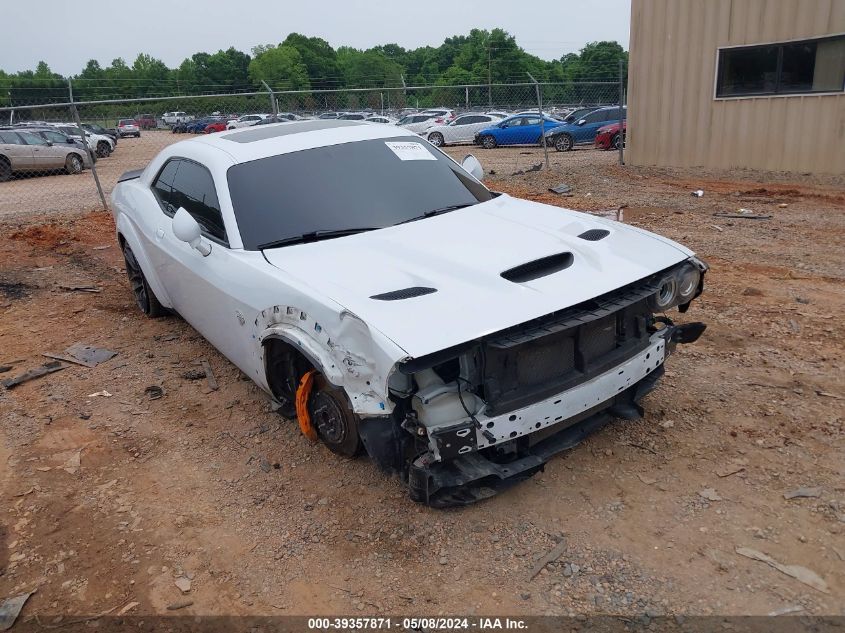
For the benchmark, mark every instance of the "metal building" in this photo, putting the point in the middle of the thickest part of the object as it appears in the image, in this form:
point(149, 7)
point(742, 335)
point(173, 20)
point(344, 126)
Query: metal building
point(737, 83)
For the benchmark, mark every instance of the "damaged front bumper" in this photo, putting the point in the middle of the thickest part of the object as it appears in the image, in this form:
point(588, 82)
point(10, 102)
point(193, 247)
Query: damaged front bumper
point(457, 469)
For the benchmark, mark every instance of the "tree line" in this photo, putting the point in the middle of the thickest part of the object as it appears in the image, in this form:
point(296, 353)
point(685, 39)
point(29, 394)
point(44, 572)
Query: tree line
point(311, 65)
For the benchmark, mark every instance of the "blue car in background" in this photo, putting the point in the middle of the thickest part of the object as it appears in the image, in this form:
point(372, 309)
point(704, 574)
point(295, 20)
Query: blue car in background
point(566, 136)
point(522, 129)
point(198, 126)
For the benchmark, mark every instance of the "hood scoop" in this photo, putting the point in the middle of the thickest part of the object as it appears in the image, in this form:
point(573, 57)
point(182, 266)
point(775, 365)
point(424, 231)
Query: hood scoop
point(404, 293)
point(594, 235)
point(539, 268)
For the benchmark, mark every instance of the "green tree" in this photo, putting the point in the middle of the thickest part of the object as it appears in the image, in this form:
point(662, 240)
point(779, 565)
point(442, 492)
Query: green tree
point(281, 67)
point(320, 60)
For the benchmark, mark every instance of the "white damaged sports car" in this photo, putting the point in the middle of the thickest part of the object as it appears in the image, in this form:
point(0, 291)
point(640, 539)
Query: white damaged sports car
point(382, 295)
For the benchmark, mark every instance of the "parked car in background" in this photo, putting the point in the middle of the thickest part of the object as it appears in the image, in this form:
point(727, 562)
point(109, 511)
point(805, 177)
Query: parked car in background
point(176, 117)
point(198, 126)
point(417, 123)
point(246, 120)
point(128, 127)
point(23, 151)
point(381, 119)
point(576, 114)
point(462, 130)
point(441, 115)
point(583, 131)
point(100, 144)
point(326, 261)
point(353, 116)
point(516, 130)
point(146, 121)
point(99, 129)
point(329, 115)
point(57, 137)
point(216, 126)
point(273, 119)
point(608, 137)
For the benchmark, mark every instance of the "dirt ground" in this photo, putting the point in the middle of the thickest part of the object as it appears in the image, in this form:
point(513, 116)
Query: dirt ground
point(109, 497)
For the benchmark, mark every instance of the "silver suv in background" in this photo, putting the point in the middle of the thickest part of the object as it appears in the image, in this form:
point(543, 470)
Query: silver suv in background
point(25, 151)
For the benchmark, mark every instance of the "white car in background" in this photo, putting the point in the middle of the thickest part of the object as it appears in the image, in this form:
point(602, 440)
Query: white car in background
point(247, 120)
point(173, 118)
point(381, 119)
point(391, 303)
point(417, 123)
point(462, 130)
point(100, 144)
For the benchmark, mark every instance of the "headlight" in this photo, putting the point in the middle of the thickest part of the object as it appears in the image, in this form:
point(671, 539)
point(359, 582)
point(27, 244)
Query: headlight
point(677, 287)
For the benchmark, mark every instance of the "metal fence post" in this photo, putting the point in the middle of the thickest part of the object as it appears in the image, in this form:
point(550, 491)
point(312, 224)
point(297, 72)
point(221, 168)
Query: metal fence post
point(274, 105)
point(621, 112)
point(542, 119)
point(84, 135)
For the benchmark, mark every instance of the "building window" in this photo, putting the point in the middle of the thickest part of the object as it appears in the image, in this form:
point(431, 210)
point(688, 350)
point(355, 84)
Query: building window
point(801, 67)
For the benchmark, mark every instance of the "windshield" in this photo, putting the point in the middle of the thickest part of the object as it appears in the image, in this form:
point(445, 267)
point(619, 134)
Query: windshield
point(127, 122)
point(366, 184)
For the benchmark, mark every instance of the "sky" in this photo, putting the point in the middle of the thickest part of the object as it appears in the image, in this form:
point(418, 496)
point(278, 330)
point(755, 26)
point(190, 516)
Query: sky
point(172, 30)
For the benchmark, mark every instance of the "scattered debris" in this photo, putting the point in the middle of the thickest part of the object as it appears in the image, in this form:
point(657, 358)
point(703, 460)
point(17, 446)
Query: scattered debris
point(209, 374)
point(193, 374)
point(787, 610)
point(727, 471)
point(803, 493)
point(5, 368)
point(103, 393)
point(183, 584)
point(154, 392)
point(80, 288)
point(710, 494)
point(85, 355)
point(748, 215)
point(536, 167)
point(43, 370)
point(698, 193)
point(101, 248)
point(802, 574)
point(264, 464)
point(648, 481)
point(128, 608)
point(562, 188)
point(782, 205)
point(180, 604)
point(752, 292)
point(827, 394)
point(555, 553)
point(717, 227)
point(73, 462)
point(10, 609)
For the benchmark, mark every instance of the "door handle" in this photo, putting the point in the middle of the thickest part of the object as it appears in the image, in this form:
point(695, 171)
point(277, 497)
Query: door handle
point(159, 232)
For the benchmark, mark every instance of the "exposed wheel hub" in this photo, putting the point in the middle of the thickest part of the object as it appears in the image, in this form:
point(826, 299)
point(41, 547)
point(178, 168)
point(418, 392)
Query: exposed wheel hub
point(327, 416)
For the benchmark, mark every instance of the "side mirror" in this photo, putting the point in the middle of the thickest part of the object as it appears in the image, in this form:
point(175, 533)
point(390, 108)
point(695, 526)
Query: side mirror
point(186, 228)
point(582, 121)
point(471, 164)
point(49, 143)
point(70, 141)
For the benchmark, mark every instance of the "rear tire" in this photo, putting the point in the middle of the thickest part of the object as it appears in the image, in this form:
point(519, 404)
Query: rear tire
point(144, 296)
point(488, 142)
point(5, 169)
point(138, 135)
point(74, 164)
point(617, 140)
point(564, 143)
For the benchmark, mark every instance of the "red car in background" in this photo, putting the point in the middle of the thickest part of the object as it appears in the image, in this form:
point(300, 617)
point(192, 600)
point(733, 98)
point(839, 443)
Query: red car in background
point(608, 137)
point(217, 126)
point(146, 121)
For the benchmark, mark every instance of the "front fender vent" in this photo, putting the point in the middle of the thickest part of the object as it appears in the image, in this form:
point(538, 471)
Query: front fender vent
point(539, 268)
point(594, 235)
point(404, 293)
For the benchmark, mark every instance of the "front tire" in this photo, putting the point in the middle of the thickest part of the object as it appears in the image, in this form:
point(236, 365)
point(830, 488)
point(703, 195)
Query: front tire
point(333, 419)
point(103, 149)
point(436, 139)
point(144, 296)
point(5, 169)
point(564, 143)
point(616, 142)
point(488, 142)
point(74, 164)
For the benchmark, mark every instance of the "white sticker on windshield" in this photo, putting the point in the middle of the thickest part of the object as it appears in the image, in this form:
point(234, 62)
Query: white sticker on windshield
point(408, 150)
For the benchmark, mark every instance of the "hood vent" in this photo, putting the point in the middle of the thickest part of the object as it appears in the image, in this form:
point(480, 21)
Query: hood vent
point(539, 268)
point(404, 293)
point(594, 235)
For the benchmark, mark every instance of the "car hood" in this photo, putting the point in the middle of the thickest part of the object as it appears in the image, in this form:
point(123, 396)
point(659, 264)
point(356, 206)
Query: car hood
point(462, 255)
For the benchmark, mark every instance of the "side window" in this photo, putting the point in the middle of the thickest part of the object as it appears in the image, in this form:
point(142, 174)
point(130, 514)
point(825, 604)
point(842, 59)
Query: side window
point(55, 137)
point(516, 122)
point(193, 188)
point(163, 186)
point(32, 139)
point(10, 138)
point(531, 120)
point(464, 120)
point(596, 117)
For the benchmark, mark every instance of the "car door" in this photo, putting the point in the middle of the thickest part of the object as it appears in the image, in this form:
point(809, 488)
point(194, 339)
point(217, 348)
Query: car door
point(43, 153)
point(202, 289)
point(586, 133)
point(58, 151)
point(511, 131)
point(18, 152)
point(531, 130)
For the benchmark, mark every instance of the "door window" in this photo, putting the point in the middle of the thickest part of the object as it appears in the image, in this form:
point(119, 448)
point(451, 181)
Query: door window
point(10, 138)
point(193, 188)
point(531, 120)
point(163, 186)
point(32, 139)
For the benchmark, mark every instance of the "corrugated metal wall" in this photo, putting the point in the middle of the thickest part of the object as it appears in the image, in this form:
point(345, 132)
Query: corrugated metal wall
point(673, 118)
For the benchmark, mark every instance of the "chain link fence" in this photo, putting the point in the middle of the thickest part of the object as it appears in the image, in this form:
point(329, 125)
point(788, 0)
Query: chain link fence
point(67, 155)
